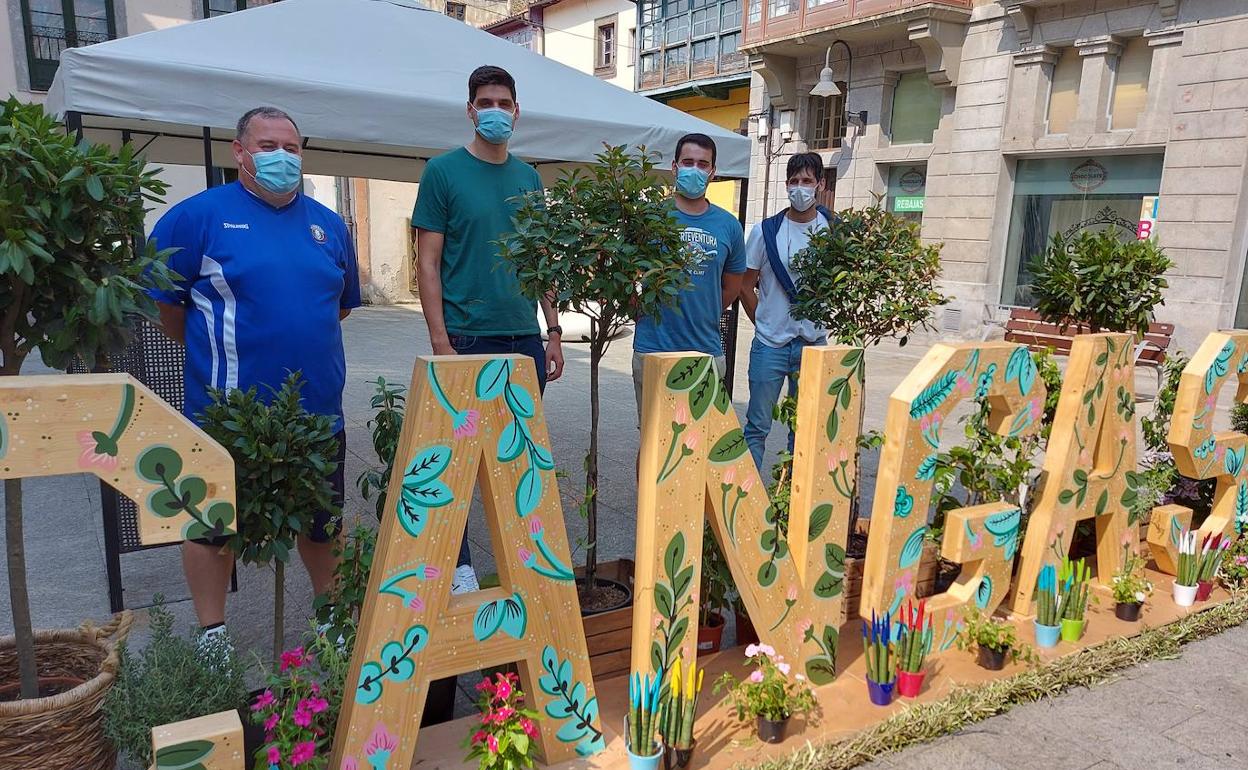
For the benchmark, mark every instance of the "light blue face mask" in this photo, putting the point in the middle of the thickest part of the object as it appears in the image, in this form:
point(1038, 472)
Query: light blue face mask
point(691, 181)
point(278, 171)
point(494, 124)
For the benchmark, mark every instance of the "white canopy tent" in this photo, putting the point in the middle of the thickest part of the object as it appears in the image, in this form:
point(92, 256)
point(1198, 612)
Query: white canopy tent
point(377, 87)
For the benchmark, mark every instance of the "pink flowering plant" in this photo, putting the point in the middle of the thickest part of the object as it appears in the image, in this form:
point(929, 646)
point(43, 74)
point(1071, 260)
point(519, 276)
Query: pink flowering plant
point(506, 736)
point(1235, 565)
point(296, 715)
point(772, 691)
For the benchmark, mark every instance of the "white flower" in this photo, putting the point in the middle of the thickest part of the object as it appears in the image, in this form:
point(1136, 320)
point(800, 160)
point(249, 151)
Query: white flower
point(799, 677)
point(1139, 596)
point(784, 668)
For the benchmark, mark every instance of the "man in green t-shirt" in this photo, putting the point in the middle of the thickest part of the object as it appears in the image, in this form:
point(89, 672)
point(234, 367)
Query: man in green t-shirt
point(470, 296)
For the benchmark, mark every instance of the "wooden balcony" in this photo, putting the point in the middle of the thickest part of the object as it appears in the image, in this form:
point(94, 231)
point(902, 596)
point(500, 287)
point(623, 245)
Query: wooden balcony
point(769, 21)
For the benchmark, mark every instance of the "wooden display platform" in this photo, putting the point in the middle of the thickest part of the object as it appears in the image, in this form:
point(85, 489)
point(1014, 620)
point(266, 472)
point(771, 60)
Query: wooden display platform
point(724, 743)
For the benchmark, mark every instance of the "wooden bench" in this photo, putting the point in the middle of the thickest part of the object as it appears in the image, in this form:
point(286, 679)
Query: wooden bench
point(1027, 327)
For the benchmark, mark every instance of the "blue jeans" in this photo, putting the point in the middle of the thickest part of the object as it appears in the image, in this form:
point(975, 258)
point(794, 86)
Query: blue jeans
point(769, 368)
point(525, 344)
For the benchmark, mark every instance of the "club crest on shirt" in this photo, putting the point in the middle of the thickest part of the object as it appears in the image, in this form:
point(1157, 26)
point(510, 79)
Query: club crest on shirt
point(318, 234)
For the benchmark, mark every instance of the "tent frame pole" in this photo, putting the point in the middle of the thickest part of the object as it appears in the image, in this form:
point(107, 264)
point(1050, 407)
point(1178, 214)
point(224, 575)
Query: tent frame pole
point(210, 171)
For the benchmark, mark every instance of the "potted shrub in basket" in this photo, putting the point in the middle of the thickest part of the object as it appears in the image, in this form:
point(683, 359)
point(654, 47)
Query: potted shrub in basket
point(1131, 587)
point(506, 736)
point(993, 639)
point(1073, 581)
point(768, 695)
point(642, 723)
point(881, 656)
point(71, 283)
point(914, 642)
point(1048, 621)
point(1212, 551)
point(676, 715)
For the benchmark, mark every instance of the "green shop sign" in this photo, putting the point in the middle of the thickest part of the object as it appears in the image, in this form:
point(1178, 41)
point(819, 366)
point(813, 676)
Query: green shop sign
point(908, 203)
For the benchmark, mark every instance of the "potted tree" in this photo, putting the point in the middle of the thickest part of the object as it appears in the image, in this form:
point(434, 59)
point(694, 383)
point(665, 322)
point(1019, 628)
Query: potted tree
point(865, 279)
point(282, 460)
point(70, 284)
point(602, 244)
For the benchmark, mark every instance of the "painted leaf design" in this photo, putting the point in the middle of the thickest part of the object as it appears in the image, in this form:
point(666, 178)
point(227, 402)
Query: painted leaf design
point(486, 620)
point(412, 516)
point(682, 582)
point(927, 468)
point(542, 457)
point(674, 556)
point(767, 573)
point(368, 689)
point(429, 463)
point(687, 372)
point(729, 447)
point(1219, 367)
point(933, 395)
point(1234, 460)
point(395, 662)
point(819, 519)
point(1176, 530)
point(528, 492)
point(1241, 506)
point(593, 742)
point(183, 755)
point(984, 593)
point(157, 463)
point(912, 551)
point(511, 442)
point(549, 681)
point(1021, 367)
point(427, 494)
point(722, 400)
point(519, 401)
point(820, 671)
point(903, 503)
point(702, 396)
point(831, 640)
point(1102, 502)
point(831, 582)
point(1004, 529)
point(663, 599)
point(492, 379)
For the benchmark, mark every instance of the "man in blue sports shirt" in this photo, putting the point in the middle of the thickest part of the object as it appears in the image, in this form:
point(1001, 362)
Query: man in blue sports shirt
point(268, 274)
point(716, 236)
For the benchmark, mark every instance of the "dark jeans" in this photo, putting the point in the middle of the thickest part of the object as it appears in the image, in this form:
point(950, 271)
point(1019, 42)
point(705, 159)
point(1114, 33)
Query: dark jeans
point(527, 345)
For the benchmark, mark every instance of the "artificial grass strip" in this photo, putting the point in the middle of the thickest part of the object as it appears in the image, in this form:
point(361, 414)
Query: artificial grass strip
point(968, 705)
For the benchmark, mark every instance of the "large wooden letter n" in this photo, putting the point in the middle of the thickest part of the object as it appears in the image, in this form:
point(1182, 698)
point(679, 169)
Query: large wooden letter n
point(470, 419)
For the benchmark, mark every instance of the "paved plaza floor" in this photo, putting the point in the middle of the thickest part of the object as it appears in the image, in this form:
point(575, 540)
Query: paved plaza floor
point(1165, 714)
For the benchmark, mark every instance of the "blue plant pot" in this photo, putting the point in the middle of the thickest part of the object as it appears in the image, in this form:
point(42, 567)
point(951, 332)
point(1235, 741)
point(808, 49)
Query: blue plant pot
point(881, 692)
point(1047, 636)
point(636, 762)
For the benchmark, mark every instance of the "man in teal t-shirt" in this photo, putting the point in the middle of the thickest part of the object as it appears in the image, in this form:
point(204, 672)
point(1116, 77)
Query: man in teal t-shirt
point(717, 236)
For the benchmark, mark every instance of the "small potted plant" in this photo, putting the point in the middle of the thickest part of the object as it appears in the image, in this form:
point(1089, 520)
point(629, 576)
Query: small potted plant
point(1189, 570)
point(642, 722)
point(768, 695)
point(1048, 601)
point(1212, 551)
point(877, 645)
point(995, 640)
point(713, 596)
point(676, 715)
point(1073, 580)
point(506, 737)
point(914, 642)
point(1131, 587)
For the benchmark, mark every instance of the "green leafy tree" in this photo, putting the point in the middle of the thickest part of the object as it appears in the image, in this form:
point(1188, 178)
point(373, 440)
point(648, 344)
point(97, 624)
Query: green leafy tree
point(1100, 281)
point(389, 402)
point(603, 244)
point(70, 277)
point(283, 457)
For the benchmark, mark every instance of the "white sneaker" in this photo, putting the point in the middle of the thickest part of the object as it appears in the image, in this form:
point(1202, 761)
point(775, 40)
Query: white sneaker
point(465, 580)
point(216, 642)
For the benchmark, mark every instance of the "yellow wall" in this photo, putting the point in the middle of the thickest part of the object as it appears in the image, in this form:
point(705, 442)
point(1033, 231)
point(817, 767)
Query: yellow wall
point(726, 113)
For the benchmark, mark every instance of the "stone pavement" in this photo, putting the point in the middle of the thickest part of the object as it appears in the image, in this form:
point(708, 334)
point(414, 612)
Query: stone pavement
point(68, 582)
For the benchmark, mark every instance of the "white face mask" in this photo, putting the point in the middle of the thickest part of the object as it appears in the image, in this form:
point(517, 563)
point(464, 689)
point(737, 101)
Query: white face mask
point(801, 198)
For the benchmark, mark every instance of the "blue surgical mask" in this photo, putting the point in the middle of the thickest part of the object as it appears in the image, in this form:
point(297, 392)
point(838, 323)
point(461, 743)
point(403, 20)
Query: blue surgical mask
point(691, 181)
point(278, 171)
point(494, 124)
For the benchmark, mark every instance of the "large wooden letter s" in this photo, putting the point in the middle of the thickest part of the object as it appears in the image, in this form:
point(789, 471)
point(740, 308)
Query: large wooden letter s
point(470, 420)
point(1200, 452)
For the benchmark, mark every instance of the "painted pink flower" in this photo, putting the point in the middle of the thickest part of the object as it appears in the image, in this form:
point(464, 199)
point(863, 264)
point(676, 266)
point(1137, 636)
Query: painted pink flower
point(905, 582)
point(272, 721)
point(792, 594)
point(416, 604)
point(977, 540)
point(926, 422)
point(274, 755)
point(530, 729)
point(349, 763)
point(682, 415)
point(431, 573)
point(535, 526)
point(1218, 453)
point(691, 442)
point(264, 701)
point(380, 740)
point(1036, 408)
point(804, 625)
point(1085, 458)
point(747, 484)
point(465, 423)
point(842, 456)
point(730, 475)
point(964, 383)
point(1211, 401)
point(658, 620)
point(757, 676)
point(526, 556)
point(92, 454)
point(492, 743)
point(784, 668)
point(1126, 537)
point(303, 752)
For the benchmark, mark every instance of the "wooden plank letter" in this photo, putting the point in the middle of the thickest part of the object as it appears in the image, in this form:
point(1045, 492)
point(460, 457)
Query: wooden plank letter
point(1089, 466)
point(984, 538)
point(1200, 452)
point(213, 742)
point(111, 425)
point(470, 419)
point(694, 459)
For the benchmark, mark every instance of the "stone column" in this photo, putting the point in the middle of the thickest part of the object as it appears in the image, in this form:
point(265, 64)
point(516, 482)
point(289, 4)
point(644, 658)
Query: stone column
point(1029, 95)
point(1092, 113)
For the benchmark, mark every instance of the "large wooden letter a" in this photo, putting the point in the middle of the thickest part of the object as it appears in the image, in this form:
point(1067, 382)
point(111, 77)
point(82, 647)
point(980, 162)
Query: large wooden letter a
point(469, 418)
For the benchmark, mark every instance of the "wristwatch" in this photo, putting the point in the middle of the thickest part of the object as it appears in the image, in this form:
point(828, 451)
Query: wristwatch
point(556, 329)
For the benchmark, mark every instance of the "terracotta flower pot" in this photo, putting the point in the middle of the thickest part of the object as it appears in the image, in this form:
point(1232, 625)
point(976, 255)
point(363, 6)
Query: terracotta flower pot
point(993, 660)
point(711, 638)
point(1129, 611)
point(745, 630)
point(910, 683)
point(772, 732)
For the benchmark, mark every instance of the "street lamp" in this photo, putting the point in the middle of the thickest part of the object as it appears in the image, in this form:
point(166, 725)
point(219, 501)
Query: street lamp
point(827, 84)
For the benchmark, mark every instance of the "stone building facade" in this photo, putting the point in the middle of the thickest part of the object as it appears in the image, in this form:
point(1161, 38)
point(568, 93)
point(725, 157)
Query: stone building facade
point(998, 124)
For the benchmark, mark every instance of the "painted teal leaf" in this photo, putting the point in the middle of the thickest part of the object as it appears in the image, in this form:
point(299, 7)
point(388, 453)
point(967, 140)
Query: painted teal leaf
point(984, 592)
point(515, 616)
point(368, 689)
point(518, 401)
point(1219, 367)
point(687, 372)
point(1241, 507)
point(927, 468)
point(819, 519)
point(1021, 367)
point(729, 447)
point(511, 442)
point(912, 551)
point(985, 381)
point(571, 731)
point(1004, 529)
point(549, 681)
point(428, 494)
point(933, 395)
point(396, 663)
point(903, 503)
point(1234, 460)
point(528, 492)
point(542, 457)
point(593, 742)
point(487, 620)
point(492, 379)
point(429, 463)
point(412, 515)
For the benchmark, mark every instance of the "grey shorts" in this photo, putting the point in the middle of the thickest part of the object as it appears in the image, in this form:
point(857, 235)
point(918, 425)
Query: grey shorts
point(721, 366)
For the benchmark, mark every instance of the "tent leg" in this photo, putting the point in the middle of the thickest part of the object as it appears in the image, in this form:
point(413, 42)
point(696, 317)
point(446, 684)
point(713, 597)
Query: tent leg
point(210, 171)
point(733, 313)
point(73, 124)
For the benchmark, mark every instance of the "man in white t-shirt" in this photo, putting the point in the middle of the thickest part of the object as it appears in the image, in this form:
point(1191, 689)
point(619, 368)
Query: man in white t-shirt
point(779, 338)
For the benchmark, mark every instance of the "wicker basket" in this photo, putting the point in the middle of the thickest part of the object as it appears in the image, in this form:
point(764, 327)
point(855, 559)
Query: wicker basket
point(65, 731)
